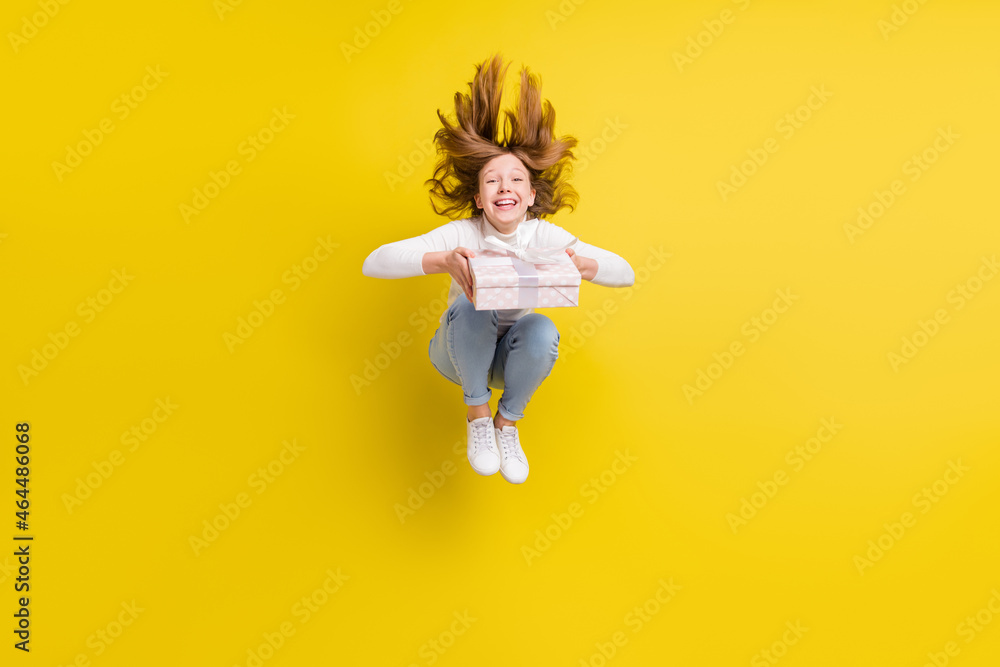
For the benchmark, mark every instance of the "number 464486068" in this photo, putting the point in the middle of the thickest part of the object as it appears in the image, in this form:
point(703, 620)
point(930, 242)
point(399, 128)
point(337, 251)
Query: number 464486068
point(21, 472)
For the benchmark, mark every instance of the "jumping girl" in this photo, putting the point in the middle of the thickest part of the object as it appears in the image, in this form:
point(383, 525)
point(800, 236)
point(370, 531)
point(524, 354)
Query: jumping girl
point(499, 185)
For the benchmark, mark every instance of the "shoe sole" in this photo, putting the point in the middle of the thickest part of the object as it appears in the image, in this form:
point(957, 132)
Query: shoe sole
point(485, 474)
point(512, 481)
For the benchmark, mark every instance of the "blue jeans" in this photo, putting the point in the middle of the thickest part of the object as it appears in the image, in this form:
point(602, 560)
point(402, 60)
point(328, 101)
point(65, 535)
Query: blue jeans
point(465, 349)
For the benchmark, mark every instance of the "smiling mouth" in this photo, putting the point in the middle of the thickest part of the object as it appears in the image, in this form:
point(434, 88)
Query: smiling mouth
point(505, 204)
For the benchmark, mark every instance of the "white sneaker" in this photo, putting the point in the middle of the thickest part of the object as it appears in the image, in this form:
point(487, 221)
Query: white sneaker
point(484, 457)
point(513, 463)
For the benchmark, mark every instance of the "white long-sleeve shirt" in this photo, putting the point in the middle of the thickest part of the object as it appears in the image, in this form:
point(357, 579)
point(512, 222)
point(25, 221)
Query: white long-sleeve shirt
point(404, 259)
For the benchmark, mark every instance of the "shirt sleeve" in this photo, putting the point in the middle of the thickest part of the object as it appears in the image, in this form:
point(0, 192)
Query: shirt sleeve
point(404, 259)
point(612, 270)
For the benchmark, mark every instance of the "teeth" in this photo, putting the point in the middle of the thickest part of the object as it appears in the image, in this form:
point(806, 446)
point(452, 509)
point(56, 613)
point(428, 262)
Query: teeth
point(503, 202)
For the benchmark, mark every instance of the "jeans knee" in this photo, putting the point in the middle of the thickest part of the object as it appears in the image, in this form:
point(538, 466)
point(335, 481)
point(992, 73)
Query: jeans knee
point(538, 333)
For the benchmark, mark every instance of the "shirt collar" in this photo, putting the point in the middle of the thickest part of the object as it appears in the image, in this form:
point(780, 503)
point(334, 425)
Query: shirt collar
point(521, 236)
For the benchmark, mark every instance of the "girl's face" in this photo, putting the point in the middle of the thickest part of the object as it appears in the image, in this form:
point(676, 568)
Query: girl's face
point(505, 192)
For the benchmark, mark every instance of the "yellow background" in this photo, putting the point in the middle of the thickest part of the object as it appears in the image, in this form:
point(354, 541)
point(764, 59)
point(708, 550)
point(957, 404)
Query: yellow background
point(618, 389)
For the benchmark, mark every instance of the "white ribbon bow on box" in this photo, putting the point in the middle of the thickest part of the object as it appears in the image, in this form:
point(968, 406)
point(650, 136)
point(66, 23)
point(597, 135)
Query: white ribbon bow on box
point(549, 255)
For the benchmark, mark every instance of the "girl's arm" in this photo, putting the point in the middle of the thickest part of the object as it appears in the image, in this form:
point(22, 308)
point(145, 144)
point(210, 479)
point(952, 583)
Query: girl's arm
point(435, 262)
point(612, 270)
point(416, 256)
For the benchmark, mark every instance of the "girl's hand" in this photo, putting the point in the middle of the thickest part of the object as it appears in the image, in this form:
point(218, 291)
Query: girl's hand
point(456, 263)
point(586, 266)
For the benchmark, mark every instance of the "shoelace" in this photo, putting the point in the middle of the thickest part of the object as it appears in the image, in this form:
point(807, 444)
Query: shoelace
point(481, 436)
point(511, 446)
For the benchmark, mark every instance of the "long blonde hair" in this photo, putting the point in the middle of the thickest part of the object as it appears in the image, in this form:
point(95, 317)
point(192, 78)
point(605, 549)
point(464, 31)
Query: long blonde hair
point(528, 133)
